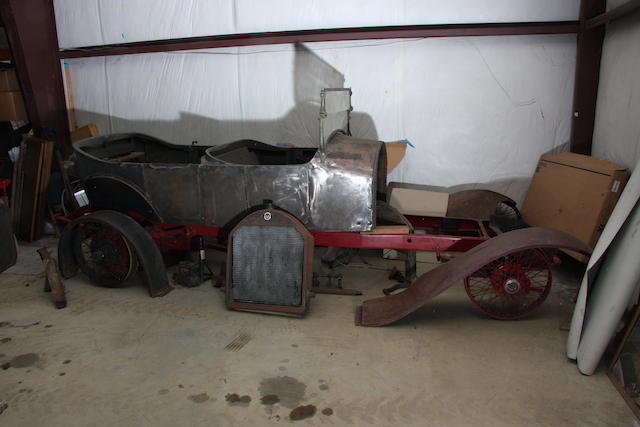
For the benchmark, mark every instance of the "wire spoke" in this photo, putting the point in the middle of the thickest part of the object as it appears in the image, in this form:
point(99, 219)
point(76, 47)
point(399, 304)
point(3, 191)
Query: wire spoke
point(491, 287)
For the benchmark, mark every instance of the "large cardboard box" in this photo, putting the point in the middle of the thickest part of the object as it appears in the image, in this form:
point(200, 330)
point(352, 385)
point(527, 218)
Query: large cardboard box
point(12, 106)
point(11, 103)
point(8, 81)
point(574, 193)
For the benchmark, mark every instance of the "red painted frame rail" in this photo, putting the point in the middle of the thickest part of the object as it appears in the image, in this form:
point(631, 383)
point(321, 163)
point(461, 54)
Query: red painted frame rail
point(326, 35)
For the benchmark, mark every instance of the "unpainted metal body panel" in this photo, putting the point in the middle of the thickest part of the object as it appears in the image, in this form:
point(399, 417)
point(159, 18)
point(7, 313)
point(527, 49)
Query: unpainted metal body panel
point(212, 186)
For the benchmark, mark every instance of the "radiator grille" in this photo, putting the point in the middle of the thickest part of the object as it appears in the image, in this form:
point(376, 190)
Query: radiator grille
point(268, 265)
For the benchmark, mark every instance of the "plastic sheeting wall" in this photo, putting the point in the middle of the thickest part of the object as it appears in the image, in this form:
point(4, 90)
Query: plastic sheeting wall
point(478, 110)
point(616, 136)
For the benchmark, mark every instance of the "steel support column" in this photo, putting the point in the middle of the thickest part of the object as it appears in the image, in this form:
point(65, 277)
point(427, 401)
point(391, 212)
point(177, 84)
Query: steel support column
point(585, 92)
point(31, 30)
point(619, 12)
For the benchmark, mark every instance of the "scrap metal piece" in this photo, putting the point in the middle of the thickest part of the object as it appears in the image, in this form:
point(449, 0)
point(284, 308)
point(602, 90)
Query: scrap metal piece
point(53, 282)
point(386, 310)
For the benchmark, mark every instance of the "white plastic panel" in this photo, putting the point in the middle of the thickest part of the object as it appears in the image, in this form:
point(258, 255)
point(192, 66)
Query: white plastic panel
point(479, 110)
point(91, 22)
point(616, 136)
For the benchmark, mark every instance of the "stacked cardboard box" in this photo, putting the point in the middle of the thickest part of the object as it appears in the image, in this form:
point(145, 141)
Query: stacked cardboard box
point(11, 103)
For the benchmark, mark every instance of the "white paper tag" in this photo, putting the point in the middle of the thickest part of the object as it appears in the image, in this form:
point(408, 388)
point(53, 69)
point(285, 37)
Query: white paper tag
point(615, 187)
point(82, 198)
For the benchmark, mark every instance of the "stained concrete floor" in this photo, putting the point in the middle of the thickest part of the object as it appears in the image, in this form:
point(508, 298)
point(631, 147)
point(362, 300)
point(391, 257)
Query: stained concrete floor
point(115, 357)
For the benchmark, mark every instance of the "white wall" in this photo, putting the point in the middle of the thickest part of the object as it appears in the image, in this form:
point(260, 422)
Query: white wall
point(479, 110)
point(616, 136)
point(95, 22)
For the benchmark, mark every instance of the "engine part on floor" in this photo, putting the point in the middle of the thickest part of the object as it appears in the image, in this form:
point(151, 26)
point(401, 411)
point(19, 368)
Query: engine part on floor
point(192, 274)
point(330, 278)
point(336, 256)
point(334, 285)
point(52, 281)
point(396, 275)
point(269, 263)
point(187, 274)
point(401, 281)
point(386, 310)
point(107, 246)
point(8, 244)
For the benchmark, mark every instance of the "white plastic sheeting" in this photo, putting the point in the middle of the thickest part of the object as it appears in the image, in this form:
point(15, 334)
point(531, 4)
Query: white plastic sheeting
point(479, 110)
point(611, 282)
point(95, 22)
point(616, 135)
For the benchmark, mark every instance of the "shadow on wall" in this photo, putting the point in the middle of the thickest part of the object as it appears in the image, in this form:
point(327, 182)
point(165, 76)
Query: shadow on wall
point(515, 187)
point(299, 126)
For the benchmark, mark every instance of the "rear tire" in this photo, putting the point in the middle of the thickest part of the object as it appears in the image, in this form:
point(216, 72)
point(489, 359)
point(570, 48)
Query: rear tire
point(103, 254)
point(511, 287)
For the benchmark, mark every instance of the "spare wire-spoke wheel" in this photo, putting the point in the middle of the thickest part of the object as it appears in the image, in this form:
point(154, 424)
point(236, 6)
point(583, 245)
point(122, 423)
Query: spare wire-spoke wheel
point(511, 287)
point(103, 254)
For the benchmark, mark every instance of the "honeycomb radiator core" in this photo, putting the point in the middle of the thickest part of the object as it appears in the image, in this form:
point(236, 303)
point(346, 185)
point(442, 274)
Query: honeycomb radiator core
point(269, 263)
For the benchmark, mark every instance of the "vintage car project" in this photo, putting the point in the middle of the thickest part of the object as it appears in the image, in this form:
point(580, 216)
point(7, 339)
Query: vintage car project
point(268, 206)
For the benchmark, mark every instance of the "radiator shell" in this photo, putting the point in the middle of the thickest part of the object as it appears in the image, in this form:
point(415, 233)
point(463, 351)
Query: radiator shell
point(269, 263)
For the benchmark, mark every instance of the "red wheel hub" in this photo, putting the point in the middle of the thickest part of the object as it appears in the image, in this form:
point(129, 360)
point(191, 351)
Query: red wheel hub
point(509, 279)
point(511, 287)
point(109, 250)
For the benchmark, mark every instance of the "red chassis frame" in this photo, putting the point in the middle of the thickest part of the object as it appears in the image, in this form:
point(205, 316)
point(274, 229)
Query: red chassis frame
point(173, 237)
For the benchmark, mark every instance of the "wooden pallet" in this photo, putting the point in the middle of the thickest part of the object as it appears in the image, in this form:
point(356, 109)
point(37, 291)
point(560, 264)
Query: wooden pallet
point(32, 179)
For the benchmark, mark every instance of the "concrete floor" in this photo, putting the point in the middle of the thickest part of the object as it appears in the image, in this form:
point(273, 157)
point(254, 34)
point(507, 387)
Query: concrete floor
point(117, 357)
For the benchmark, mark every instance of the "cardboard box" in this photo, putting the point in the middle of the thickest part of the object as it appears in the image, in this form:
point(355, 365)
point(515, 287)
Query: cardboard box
point(574, 193)
point(412, 200)
point(395, 154)
point(8, 81)
point(12, 106)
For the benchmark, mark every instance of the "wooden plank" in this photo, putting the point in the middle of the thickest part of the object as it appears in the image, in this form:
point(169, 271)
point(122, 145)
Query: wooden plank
point(35, 173)
point(71, 104)
point(30, 181)
point(42, 201)
point(84, 132)
point(16, 189)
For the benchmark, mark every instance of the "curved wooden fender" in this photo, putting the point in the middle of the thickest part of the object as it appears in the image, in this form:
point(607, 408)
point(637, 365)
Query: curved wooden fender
point(386, 310)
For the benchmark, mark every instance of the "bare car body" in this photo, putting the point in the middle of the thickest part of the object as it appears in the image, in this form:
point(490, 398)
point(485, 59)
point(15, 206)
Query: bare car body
point(333, 188)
